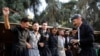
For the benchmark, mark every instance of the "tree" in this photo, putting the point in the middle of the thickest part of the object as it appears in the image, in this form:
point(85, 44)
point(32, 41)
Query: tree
point(17, 8)
point(58, 13)
point(90, 11)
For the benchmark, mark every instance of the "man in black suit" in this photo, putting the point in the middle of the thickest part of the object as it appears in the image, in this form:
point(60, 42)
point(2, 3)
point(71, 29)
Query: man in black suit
point(84, 36)
point(68, 45)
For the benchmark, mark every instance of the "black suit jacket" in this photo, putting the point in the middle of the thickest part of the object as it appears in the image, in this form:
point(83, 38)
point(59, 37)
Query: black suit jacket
point(66, 42)
point(86, 36)
point(53, 41)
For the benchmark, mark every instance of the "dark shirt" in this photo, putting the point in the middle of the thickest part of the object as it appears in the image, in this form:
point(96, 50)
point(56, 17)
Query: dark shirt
point(20, 36)
point(67, 43)
point(53, 41)
point(44, 37)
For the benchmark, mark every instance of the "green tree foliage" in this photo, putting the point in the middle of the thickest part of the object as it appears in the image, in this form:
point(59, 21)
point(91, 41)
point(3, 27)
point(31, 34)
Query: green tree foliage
point(90, 10)
point(56, 13)
point(17, 8)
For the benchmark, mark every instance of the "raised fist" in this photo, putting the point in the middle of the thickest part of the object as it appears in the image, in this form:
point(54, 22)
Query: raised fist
point(5, 11)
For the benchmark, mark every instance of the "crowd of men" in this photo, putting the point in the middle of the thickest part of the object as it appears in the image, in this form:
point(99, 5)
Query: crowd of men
point(56, 42)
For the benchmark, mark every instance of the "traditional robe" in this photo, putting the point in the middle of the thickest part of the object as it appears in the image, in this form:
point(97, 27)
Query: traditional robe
point(61, 43)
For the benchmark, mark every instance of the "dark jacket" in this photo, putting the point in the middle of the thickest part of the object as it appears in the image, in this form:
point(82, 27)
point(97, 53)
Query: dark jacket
point(86, 36)
point(53, 41)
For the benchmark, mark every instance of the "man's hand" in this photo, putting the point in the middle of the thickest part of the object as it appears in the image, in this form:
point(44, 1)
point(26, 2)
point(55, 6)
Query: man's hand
point(65, 49)
point(69, 47)
point(5, 11)
point(74, 41)
point(28, 45)
point(41, 44)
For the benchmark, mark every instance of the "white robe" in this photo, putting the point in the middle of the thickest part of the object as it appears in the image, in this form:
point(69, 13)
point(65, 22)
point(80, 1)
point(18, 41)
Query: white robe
point(61, 42)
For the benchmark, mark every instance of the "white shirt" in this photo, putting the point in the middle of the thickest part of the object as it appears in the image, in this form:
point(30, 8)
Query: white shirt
point(34, 39)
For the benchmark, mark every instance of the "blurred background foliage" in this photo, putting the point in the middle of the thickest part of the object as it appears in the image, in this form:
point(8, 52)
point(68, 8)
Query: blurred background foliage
point(56, 12)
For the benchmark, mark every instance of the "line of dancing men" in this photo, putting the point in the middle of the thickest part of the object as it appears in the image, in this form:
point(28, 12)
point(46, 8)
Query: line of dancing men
point(56, 42)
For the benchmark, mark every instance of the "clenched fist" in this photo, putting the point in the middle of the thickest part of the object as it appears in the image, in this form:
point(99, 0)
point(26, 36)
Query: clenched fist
point(5, 11)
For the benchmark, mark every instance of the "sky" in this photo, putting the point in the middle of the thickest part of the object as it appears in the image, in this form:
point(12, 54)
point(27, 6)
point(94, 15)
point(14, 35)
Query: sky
point(64, 1)
point(44, 4)
point(41, 7)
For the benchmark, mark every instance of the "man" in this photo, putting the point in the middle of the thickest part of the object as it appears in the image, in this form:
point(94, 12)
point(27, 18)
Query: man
point(44, 34)
point(20, 32)
point(84, 36)
point(43, 43)
point(53, 41)
point(61, 42)
point(68, 46)
point(34, 38)
point(74, 46)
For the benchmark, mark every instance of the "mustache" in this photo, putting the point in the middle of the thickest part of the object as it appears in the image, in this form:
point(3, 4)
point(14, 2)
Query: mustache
point(75, 25)
point(36, 29)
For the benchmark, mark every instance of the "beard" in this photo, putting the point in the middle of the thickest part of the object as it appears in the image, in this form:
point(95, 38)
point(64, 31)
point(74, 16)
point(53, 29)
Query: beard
point(35, 30)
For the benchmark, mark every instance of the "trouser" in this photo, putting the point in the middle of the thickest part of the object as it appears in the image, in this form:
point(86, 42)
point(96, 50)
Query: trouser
point(68, 53)
point(54, 51)
point(19, 51)
point(87, 52)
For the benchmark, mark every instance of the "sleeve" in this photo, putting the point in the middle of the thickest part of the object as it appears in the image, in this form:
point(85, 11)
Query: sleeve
point(28, 38)
point(13, 29)
point(49, 41)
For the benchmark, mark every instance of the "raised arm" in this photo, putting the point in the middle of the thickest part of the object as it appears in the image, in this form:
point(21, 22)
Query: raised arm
point(5, 11)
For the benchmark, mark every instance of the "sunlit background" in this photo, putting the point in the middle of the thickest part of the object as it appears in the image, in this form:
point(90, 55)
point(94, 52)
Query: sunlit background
point(56, 12)
point(42, 6)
